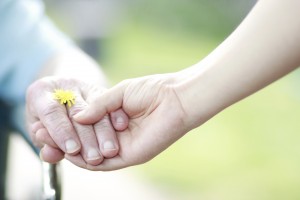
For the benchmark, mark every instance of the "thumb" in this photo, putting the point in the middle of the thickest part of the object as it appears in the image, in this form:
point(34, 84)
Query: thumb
point(101, 104)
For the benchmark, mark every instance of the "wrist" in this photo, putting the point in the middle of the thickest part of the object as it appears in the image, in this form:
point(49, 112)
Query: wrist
point(200, 94)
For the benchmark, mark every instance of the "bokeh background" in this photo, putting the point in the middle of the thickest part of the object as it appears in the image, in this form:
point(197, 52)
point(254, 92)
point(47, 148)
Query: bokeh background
point(249, 151)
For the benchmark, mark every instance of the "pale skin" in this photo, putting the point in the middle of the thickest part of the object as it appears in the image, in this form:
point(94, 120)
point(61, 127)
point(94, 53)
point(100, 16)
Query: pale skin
point(50, 123)
point(163, 108)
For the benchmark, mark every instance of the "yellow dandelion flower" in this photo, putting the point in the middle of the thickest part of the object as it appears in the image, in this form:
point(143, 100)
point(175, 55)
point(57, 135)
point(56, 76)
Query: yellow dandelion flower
point(65, 96)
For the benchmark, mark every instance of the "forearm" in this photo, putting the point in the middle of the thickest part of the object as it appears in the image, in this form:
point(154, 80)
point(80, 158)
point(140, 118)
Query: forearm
point(73, 63)
point(265, 47)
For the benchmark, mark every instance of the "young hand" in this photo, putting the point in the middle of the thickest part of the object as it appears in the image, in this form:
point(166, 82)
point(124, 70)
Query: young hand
point(156, 119)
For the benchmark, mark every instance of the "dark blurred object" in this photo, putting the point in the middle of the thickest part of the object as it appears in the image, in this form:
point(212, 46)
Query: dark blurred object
point(4, 138)
point(51, 182)
point(51, 176)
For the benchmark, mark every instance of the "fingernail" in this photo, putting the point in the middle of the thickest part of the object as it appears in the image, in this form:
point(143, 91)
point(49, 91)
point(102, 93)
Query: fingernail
point(120, 120)
point(71, 146)
point(109, 145)
point(93, 154)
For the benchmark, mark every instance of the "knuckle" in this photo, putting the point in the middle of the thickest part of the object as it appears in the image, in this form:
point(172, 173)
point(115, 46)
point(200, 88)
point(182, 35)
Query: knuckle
point(104, 124)
point(77, 107)
point(61, 128)
point(35, 87)
point(54, 121)
point(85, 134)
point(50, 111)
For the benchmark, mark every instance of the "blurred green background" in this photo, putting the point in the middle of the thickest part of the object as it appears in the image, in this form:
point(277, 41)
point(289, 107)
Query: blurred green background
point(249, 151)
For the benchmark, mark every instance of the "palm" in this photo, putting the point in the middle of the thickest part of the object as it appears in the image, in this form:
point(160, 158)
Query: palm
point(154, 124)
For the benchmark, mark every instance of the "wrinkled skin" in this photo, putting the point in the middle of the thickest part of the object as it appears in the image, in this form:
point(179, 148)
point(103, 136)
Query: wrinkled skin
point(52, 128)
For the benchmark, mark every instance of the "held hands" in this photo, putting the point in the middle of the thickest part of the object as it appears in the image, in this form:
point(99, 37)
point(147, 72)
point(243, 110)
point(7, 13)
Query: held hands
point(156, 119)
point(141, 117)
point(52, 128)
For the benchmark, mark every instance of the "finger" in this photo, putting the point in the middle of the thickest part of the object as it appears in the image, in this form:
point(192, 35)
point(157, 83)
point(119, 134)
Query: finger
point(126, 157)
point(51, 155)
point(89, 146)
point(36, 126)
point(42, 106)
point(111, 164)
point(119, 120)
point(40, 135)
point(33, 127)
point(55, 119)
point(107, 138)
point(101, 104)
point(90, 151)
point(43, 137)
point(77, 160)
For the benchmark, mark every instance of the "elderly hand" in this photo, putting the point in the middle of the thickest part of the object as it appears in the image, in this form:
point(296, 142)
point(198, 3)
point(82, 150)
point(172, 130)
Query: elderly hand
point(52, 128)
